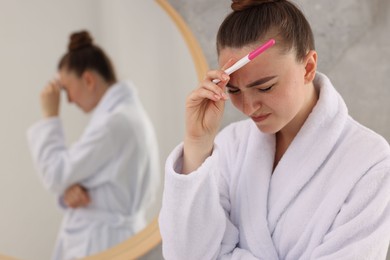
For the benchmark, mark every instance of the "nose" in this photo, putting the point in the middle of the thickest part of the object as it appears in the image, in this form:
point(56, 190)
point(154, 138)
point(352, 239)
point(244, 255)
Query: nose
point(250, 105)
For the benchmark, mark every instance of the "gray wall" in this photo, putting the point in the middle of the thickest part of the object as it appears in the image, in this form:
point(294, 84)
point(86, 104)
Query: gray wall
point(352, 40)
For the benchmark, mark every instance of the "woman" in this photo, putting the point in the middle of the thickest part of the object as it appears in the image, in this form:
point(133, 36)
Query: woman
point(111, 175)
point(300, 179)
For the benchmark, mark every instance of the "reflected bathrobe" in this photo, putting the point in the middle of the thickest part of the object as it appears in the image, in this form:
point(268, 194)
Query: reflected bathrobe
point(116, 159)
point(328, 197)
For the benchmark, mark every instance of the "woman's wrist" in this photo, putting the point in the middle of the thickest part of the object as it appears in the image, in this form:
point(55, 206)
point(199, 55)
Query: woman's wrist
point(49, 114)
point(195, 152)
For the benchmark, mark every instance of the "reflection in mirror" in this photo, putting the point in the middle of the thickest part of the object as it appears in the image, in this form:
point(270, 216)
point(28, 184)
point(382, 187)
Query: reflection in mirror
point(154, 57)
point(108, 178)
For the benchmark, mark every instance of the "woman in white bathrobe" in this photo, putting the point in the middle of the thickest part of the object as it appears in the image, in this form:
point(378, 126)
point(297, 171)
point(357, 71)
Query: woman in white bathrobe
point(108, 178)
point(299, 179)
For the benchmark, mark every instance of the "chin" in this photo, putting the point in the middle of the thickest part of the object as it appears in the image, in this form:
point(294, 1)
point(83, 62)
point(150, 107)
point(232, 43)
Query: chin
point(267, 129)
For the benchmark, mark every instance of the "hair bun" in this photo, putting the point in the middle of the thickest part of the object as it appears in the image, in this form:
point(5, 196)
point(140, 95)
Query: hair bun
point(79, 40)
point(241, 5)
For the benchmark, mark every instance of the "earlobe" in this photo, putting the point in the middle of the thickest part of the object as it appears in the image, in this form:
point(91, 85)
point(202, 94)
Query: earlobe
point(310, 66)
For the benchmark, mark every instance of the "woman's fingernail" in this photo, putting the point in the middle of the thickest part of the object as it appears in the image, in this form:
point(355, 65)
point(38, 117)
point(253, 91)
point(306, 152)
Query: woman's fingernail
point(225, 77)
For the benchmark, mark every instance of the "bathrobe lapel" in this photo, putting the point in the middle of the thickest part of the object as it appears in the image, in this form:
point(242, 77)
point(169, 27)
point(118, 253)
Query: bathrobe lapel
point(255, 233)
point(310, 148)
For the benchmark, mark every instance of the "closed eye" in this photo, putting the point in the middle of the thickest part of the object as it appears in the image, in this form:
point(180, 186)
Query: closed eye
point(266, 89)
point(232, 90)
point(235, 90)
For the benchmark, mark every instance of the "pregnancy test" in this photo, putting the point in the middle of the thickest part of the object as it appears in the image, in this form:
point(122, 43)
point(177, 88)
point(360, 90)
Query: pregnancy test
point(239, 64)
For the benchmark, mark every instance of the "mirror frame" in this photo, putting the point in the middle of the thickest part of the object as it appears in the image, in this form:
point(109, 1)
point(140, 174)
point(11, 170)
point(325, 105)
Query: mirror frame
point(146, 240)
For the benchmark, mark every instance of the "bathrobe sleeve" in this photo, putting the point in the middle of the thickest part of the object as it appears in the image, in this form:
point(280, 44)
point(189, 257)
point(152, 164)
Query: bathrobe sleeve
point(361, 230)
point(60, 166)
point(194, 219)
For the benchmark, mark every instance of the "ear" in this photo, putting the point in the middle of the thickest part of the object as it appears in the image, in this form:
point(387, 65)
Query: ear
point(310, 63)
point(89, 80)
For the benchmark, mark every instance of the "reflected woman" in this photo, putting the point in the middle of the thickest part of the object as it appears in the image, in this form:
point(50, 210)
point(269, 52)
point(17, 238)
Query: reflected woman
point(108, 178)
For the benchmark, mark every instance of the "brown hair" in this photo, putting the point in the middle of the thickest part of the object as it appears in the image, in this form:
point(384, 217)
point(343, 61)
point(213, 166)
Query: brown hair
point(83, 54)
point(252, 20)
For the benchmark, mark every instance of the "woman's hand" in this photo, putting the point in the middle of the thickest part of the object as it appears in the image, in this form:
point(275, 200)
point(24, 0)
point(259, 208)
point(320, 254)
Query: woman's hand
point(76, 196)
point(50, 99)
point(204, 111)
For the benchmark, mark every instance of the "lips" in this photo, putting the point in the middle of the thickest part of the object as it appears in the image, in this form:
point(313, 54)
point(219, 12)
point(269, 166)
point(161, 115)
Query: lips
point(260, 118)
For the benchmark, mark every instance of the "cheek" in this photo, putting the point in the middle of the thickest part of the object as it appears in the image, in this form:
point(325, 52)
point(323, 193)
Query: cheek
point(291, 98)
point(73, 94)
point(70, 93)
point(274, 103)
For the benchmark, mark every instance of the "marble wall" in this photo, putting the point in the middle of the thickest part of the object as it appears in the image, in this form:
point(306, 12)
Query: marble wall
point(353, 44)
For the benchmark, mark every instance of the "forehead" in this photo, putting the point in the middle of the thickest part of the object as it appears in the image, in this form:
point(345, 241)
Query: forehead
point(66, 75)
point(272, 61)
point(237, 53)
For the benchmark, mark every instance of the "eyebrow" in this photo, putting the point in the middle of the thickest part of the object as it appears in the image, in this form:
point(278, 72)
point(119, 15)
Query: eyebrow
point(254, 83)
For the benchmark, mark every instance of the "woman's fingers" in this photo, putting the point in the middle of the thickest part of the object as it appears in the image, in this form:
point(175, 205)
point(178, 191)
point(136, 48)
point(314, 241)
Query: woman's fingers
point(217, 74)
point(201, 94)
point(228, 64)
point(205, 105)
point(208, 83)
point(50, 99)
point(220, 74)
point(76, 196)
point(54, 87)
point(215, 89)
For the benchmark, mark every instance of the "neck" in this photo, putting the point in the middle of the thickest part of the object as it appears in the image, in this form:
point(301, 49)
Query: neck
point(285, 136)
point(100, 91)
point(291, 130)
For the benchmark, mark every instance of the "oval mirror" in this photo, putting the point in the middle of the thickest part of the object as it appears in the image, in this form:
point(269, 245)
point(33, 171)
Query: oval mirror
point(149, 44)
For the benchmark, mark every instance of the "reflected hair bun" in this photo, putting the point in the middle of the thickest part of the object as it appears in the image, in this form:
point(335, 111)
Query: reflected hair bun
point(80, 40)
point(241, 5)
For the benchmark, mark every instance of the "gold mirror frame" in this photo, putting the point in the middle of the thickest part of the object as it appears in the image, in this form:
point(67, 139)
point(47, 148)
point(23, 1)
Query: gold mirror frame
point(140, 244)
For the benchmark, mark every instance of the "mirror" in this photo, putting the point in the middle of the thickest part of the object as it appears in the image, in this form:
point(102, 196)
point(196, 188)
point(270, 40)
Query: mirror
point(145, 42)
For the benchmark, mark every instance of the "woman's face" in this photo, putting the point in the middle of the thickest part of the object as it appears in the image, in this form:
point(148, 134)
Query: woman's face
point(76, 90)
point(270, 89)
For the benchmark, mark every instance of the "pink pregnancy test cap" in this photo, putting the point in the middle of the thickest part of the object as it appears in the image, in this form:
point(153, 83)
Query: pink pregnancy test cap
point(261, 49)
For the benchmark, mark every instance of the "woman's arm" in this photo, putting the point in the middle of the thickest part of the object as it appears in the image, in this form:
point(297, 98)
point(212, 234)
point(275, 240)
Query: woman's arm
point(204, 110)
point(194, 219)
point(61, 167)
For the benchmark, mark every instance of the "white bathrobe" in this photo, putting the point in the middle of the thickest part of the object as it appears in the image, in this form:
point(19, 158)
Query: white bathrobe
point(116, 159)
point(328, 197)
